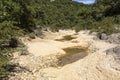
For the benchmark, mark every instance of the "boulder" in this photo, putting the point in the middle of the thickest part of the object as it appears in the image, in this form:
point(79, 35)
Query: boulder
point(114, 38)
point(115, 52)
point(38, 32)
point(113, 58)
point(103, 36)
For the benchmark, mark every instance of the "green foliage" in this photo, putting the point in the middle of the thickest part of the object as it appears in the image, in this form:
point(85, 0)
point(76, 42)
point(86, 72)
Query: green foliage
point(4, 60)
point(7, 30)
point(104, 26)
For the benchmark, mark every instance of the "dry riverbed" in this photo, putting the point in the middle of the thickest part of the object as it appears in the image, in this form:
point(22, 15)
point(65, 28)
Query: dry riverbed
point(66, 55)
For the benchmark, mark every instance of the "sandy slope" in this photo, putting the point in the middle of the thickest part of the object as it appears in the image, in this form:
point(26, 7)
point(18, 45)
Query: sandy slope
point(38, 64)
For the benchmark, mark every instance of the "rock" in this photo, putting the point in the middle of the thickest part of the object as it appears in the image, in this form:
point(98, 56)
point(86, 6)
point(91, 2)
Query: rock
point(13, 43)
point(117, 28)
point(113, 58)
point(38, 33)
point(114, 38)
point(115, 52)
point(32, 36)
point(38, 26)
point(103, 36)
point(93, 33)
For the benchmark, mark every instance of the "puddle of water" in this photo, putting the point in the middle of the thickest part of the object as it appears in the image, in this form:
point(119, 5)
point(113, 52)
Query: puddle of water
point(66, 38)
point(72, 54)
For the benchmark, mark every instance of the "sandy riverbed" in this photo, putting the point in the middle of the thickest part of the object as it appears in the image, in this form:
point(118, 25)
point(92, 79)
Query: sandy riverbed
point(42, 64)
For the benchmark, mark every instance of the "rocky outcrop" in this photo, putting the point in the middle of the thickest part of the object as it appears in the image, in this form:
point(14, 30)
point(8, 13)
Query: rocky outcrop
point(115, 52)
point(114, 38)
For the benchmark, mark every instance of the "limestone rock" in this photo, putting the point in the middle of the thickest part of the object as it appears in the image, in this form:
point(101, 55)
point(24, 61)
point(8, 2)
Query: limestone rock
point(114, 38)
point(115, 52)
point(103, 36)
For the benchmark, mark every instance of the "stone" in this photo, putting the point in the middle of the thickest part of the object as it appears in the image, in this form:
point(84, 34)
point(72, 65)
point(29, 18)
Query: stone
point(32, 36)
point(93, 33)
point(38, 33)
point(115, 52)
point(103, 36)
point(114, 38)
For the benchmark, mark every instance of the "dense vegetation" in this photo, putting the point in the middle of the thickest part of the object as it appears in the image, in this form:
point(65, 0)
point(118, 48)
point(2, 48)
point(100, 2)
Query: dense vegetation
point(18, 17)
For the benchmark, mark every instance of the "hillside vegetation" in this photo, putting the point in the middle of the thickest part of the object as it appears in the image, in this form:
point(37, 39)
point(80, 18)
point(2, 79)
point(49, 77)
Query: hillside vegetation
point(20, 17)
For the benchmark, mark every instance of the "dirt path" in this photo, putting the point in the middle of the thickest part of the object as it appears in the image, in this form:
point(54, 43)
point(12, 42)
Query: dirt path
point(90, 63)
